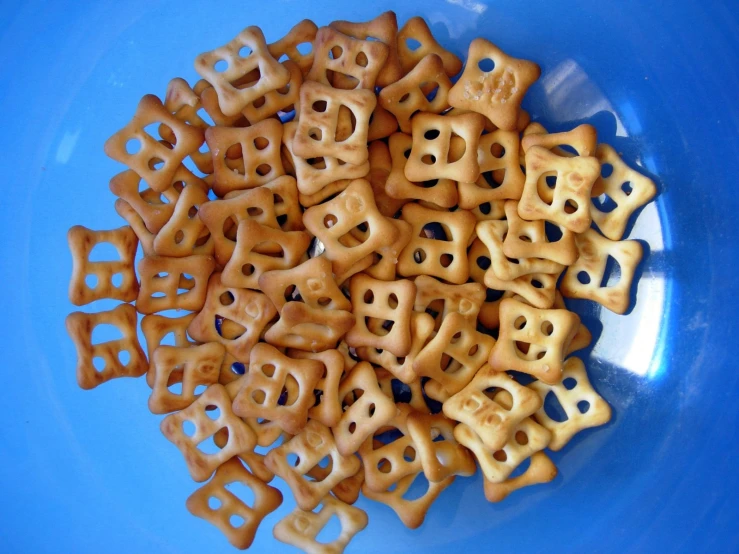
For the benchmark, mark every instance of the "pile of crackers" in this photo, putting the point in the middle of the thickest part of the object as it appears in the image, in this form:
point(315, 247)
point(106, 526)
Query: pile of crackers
point(369, 252)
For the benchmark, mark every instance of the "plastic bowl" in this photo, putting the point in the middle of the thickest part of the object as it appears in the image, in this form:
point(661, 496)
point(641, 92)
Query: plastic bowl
point(90, 471)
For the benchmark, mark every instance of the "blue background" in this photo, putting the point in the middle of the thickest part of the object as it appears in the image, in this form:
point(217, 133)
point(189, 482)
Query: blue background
point(90, 471)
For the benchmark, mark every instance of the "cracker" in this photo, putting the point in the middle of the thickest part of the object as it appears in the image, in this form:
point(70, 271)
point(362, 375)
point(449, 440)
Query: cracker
point(271, 75)
point(327, 408)
point(154, 208)
point(191, 366)
point(383, 28)
point(416, 29)
point(440, 192)
point(386, 258)
point(486, 418)
point(156, 327)
point(311, 445)
point(319, 132)
point(583, 139)
point(300, 529)
point(155, 162)
point(407, 96)
point(571, 179)
point(541, 470)
point(455, 354)
point(266, 500)
point(586, 277)
point(273, 375)
point(201, 464)
point(185, 234)
point(402, 393)
point(332, 221)
point(627, 188)
point(357, 62)
point(542, 334)
point(146, 238)
point(366, 414)
point(301, 33)
point(465, 299)
point(433, 155)
point(247, 264)
point(232, 316)
point(583, 407)
point(163, 279)
point(82, 242)
point(445, 258)
point(245, 158)
point(385, 302)
point(496, 93)
point(381, 164)
point(80, 327)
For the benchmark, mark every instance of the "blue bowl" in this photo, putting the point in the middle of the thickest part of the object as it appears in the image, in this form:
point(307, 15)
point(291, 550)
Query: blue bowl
point(89, 470)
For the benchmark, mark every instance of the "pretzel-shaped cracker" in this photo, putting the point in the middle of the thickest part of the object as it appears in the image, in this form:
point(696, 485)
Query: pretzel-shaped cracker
point(300, 529)
point(421, 329)
point(627, 188)
point(433, 155)
point(383, 28)
point(269, 74)
point(327, 408)
point(527, 438)
point(311, 281)
point(572, 180)
point(247, 264)
point(358, 62)
point(411, 512)
point(315, 174)
point(465, 299)
point(191, 366)
point(146, 238)
point(266, 500)
point(501, 176)
point(455, 354)
point(439, 458)
point(156, 327)
point(233, 317)
point(400, 392)
point(281, 100)
point(254, 150)
point(82, 242)
point(445, 259)
point(382, 124)
point(584, 408)
point(311, 445)
point(305, 328)
point(487, 418)
point(414, 31)
point(303, 32)
point(318, 132)
point(368, 412)
point(493, 233)
point(528, 239)
point(524, 328)
point(162, 279)
point(185, 234)
point(253, 460)
point(583, 139)
point(155, 208)
point(256, 204)
point(331, 221)
point(80, 327)
point(155, 162)
point(387, 463)
point(200, 464)
point(441, 192)
point(495, 93)
point(586, 278)
point(389, 301)
point(408, 95)
point(541, 470)
point(271, 376)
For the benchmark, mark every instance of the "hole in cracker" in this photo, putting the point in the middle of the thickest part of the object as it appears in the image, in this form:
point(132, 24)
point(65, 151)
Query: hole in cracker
point(247, 270)
point(361, 59)
point(229, 329)
point(384, 466)
point(520, 322)
point(473, 350)
point(258, 396)
point(237, 368)
point(497, 150)
point(606, 170)
point(483, 262)
point(91, 280)
point(179, 236)
point(188, 428)
point(236, 521)
point(155, 164)
point(244, 51)
point(98, 363)
point(220, 66)
point(583, 277)
point(352, 427)
point(335, 53)
point(392, 301)
point(329, 221)
point(105, 332)
point(569, 383)
point(419, 255)
point(214, 503)
point(552, 231)
point(304, 48)
point(133, 146)
point(547, 328)
point(553, 408)
point(369, 297)
point(404, 99)
point(500, 456)
point(456, 337)
point(571, 206)
point(117, 280)
point(604, 203)
point(583, 406)
point(486, 65)
point(457, 149)
point(550, 180)
point(626, 188)
point(521, 438)
point(537, 284)
point(315, 133)
point(431, 134)
point(409, 454)
point(268, 369)
point(446, 260)
point(226, 298)
point(263, 169)
point(124, 357)
point(330, 532)
point(428, 159)
point(412, 44)
point(213, 412)
point(319, 106)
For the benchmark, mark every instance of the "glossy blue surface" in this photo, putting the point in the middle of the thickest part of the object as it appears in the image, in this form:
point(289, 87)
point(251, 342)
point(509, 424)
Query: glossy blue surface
point(90, 471)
